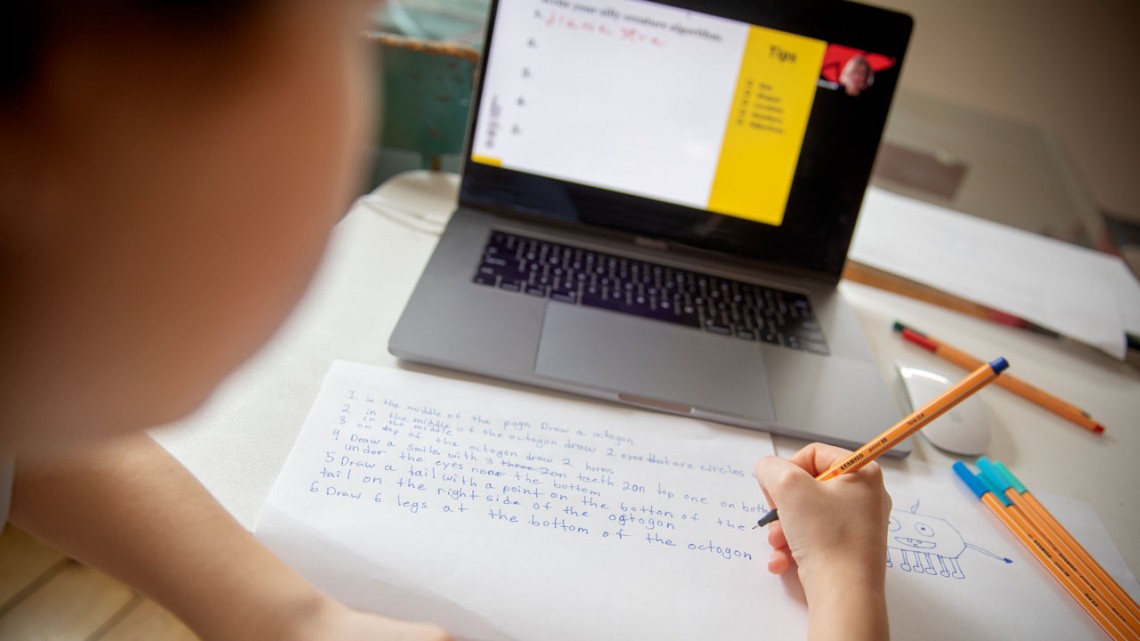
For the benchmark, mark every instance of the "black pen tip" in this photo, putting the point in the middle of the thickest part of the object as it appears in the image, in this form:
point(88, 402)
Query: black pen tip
point(772, 515)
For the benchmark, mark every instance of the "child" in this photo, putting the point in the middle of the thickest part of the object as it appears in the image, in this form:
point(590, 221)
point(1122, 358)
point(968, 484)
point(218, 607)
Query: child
point(169, 173)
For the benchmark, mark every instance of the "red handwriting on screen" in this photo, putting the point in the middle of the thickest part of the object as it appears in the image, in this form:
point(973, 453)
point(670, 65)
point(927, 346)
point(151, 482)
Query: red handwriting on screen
point(555, 19)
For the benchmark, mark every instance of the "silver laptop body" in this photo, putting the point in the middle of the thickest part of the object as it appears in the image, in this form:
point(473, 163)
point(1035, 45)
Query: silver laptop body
point(546, 212)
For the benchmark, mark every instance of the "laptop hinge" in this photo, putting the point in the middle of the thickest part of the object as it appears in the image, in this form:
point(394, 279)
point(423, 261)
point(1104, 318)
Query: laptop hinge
point(651, 243)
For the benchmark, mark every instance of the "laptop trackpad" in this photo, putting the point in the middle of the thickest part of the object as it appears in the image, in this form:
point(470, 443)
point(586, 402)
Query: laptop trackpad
point(669, 366)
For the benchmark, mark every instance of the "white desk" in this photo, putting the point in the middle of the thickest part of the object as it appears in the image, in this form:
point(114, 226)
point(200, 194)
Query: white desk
point(237, 443)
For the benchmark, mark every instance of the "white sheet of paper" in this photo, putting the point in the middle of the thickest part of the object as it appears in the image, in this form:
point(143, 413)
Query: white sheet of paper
point(1074, 291)
point(506, 515)
point(949, 578)
point(551, 518)
point(1082, 522)
point(1128, 293)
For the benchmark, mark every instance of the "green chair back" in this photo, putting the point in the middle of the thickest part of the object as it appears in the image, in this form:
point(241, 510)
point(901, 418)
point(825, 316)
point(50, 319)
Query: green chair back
point(426, 93)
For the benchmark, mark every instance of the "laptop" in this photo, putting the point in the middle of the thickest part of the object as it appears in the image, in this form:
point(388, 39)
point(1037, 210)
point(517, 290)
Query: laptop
point(656, 204)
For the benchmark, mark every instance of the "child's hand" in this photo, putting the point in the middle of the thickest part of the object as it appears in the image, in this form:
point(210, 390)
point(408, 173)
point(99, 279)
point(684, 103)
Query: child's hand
point(836, 531)
point(332, 621)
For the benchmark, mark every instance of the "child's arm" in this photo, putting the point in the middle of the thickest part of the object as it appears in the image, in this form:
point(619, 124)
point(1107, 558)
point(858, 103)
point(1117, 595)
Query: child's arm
point(128, 508)
point(836, 532)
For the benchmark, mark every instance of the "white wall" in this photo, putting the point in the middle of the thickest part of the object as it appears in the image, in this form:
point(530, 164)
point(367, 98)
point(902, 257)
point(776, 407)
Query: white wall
point(1069, 65)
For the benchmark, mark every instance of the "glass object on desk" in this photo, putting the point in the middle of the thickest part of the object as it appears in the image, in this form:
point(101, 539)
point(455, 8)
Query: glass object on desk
point(986, 165)
point(460, 21)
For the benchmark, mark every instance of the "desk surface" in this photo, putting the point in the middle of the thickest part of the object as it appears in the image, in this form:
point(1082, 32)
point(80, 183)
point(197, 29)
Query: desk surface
point(238, 441)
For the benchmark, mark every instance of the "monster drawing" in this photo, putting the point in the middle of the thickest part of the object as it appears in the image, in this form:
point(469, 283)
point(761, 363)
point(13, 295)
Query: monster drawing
point(927, 545)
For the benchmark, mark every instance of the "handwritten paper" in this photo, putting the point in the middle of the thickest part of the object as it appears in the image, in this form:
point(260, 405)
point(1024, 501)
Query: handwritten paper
point(510, 515)
point(507, 515)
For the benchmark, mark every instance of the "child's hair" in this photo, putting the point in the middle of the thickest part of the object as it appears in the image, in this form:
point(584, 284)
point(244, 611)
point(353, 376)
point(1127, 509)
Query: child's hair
point(27, 27)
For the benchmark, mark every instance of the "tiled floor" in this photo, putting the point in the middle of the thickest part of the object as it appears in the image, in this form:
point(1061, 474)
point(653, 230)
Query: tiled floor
point(45, 596)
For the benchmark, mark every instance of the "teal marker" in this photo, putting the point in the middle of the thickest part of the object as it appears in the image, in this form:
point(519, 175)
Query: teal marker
point(1008, 476)
point(995, 489)
point(977, 483)
point(991, 475)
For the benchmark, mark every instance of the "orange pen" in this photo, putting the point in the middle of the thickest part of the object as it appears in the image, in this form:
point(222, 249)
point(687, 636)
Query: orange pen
point(1030, 393)
point(1020, 495)
point(1081, 573)
point(898, 432)
point(1088, 601)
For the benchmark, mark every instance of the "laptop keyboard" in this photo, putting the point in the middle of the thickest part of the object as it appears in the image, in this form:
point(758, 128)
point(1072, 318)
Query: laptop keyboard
point(579, 276)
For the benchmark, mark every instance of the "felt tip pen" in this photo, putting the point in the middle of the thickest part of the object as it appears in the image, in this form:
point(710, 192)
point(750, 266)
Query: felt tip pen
point(991, 495)
point(1034, 395)
point(913, 422)
point(1020, 495)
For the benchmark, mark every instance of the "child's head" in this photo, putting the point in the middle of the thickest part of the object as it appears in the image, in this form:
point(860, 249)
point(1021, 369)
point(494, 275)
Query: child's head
point(169, 172)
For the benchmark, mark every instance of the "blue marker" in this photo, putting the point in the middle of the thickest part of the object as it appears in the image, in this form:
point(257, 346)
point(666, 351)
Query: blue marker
point(977, 483)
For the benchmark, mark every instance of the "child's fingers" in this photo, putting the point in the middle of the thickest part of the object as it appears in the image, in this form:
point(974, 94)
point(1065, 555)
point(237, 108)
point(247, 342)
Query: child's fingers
point(817, 458)
point(776, 476)
point(780, 560)
point(776, 537)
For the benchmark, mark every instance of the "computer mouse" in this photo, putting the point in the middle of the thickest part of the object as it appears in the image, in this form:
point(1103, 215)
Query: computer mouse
point(963, 429)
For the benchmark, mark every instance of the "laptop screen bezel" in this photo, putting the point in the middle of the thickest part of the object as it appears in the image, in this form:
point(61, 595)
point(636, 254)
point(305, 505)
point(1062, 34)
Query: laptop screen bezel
point(831, 175)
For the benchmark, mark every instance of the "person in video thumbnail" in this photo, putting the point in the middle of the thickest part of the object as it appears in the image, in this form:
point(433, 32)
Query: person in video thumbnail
point(857, 76)
point(851, 69)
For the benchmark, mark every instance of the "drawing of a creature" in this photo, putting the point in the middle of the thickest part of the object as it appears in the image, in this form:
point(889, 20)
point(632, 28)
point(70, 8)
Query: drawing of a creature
point(927, 544)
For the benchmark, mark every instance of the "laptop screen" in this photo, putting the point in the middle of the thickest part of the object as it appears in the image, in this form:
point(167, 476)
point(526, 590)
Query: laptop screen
point(706, 129)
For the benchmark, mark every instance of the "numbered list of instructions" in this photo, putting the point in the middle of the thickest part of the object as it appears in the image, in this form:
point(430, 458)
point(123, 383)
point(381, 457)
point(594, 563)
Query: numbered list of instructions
point(388, 446)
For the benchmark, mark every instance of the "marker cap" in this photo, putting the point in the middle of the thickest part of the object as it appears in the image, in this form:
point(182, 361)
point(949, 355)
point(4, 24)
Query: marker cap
point(1004, 472)
point(986, 481)
point(990, 473)
point(920, 340)
point(969, 479)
